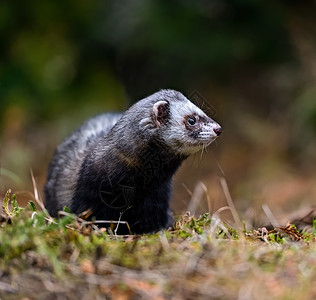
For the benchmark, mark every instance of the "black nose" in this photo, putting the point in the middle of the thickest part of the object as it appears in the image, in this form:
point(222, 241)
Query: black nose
point(218, 130)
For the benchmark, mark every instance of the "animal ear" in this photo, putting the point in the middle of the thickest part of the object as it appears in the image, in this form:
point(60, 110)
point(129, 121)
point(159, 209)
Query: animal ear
point(161, 112)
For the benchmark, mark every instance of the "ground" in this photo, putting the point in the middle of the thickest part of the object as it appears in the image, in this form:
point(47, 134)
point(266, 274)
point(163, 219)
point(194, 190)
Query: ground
point(200, 258)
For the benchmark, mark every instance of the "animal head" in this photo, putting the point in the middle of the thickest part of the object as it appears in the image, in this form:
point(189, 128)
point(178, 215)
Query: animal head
point(182, 125)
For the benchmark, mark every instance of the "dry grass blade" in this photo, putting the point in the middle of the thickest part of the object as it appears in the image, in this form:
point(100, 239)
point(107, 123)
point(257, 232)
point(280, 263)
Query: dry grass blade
point(36, 194)
point(219, 165)
point(270, 216)
point(187, 189)
point(230, 202)
point(209, 203)
point(196, 198)
point(84, 222)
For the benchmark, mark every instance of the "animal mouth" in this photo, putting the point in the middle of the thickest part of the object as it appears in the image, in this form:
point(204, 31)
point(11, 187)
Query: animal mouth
point(206, 139)
point(203, 142)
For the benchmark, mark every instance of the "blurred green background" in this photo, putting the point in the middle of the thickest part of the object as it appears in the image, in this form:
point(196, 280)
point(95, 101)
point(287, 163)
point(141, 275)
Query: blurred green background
point(250, 63)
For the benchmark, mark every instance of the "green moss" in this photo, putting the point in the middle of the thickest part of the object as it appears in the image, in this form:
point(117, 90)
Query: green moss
point(168, 263)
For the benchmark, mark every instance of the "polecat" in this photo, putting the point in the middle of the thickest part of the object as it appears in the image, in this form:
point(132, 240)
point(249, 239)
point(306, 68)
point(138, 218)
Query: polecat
point(120, 166)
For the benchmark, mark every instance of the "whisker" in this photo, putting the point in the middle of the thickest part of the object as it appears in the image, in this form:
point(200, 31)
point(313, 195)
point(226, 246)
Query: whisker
point(202, 152)
point(205, 147)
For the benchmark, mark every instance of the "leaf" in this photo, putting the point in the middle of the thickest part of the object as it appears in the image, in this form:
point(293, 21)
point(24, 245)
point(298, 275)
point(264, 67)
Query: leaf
point(15, 206)
point(6, 201)
point(32, 206)
point(66, 209)
point(14, 211)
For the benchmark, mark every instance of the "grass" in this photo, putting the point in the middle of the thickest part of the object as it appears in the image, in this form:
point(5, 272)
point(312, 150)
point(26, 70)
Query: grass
point(69, 258)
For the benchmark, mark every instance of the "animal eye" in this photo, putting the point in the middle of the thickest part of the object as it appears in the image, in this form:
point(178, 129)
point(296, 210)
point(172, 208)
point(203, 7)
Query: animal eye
point(191, 121)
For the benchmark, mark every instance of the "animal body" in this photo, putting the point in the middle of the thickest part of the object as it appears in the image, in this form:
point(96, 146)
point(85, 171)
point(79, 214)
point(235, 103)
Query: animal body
point(120, 166)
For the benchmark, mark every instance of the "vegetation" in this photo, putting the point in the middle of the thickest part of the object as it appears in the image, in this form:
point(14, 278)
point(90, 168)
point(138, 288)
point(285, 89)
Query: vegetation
point(71, 258)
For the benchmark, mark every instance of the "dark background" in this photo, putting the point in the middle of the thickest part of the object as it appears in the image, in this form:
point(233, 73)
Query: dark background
point(251, 64)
